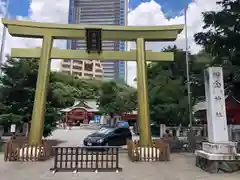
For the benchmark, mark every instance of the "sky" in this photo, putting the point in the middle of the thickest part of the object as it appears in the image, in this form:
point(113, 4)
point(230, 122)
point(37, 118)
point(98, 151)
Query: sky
point(170, 8)
point(142, 13)
point(19, 9)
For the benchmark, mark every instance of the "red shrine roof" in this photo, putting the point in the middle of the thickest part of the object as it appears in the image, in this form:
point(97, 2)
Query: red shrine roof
point(88, 105)
point(233, 102)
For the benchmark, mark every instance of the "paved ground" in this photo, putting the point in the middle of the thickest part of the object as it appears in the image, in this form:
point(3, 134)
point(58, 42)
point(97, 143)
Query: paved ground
point(181, 167)
point(71, 137)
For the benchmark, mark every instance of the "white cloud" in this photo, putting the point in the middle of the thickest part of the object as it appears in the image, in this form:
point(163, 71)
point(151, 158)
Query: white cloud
point(148, 13)
point(42, 11)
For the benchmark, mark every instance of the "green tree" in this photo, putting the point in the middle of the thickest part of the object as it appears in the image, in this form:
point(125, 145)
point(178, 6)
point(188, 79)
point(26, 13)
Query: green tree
point(167, 82)
point(18, 90)
point(198, 63)
point(221, 39)
point(86, 89)
point(167, 96)
point(116, 98)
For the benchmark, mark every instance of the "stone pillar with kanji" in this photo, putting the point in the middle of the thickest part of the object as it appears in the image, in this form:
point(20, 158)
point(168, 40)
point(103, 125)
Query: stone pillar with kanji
point(218, 149)
point(215, 104)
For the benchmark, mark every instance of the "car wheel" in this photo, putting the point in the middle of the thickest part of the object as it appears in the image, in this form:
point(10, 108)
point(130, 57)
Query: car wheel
point(106, 149)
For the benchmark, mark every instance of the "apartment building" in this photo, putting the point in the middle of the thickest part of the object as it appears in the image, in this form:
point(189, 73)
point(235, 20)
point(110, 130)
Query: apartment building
point(89, 69)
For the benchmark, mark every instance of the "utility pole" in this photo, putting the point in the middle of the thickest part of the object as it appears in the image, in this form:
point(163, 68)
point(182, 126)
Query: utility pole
point(4, 31)
point(187, 66)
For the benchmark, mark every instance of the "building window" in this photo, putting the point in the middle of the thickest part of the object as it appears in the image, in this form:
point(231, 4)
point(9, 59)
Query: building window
point(98, 64)
point(77, 62)
point(66, 60)
point(77, 67)
point(88, 66)
point(67, 66)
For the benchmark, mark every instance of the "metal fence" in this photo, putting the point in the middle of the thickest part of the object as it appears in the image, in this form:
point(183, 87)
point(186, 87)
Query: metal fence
point(95, 159)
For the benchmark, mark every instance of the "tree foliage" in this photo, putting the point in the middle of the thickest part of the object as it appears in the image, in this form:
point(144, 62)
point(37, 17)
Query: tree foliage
point(221, 40)
point(116, 98)
point(167, 91)
point(167, 82)
point(18, 91)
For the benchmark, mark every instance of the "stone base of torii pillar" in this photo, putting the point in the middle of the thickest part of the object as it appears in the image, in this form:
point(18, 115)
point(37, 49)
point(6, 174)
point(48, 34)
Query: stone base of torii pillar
point(218, 154)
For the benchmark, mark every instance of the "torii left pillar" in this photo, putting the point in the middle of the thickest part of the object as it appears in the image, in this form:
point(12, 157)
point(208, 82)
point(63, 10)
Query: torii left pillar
point(39, 108)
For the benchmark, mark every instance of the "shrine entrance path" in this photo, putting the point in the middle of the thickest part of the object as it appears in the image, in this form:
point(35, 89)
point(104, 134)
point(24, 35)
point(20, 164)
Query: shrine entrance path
point(181, 167)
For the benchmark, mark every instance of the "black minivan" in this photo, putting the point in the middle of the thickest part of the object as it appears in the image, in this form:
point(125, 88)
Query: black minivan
point(107, 136)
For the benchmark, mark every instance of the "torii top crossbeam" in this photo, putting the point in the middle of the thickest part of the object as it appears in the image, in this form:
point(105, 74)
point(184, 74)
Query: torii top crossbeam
point(77, 31)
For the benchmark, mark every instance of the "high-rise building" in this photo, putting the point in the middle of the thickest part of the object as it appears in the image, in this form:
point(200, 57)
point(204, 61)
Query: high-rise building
point(101, 12)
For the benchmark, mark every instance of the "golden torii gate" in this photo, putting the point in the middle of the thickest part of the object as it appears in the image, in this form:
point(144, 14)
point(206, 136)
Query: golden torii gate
point(48, 32)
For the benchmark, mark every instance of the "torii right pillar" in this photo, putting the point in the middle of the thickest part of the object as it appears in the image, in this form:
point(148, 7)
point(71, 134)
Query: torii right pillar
point(218, 153)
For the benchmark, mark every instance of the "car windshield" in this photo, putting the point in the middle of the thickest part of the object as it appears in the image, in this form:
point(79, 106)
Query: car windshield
point(104, 131)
